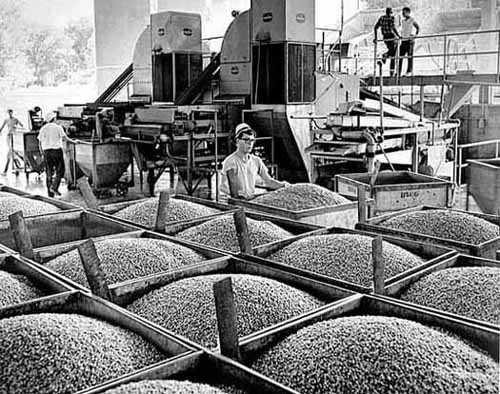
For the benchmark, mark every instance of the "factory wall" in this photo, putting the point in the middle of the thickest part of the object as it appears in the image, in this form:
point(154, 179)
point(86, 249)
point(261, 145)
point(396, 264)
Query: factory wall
point(118, 24)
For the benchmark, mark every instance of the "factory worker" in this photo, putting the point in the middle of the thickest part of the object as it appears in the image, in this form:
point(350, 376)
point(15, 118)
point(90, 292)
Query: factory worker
point(51, 137)
point(249, 170)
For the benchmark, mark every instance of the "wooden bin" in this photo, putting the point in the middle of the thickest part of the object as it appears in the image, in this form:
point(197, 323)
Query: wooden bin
point(342, 215)
point(201, 367)
point(430, 253)
point(88, 305)
point(484, 184)
point(45, 254)
point(486, 249)
point(397, 190)
point(112, 209)
point(18, 265)
point(64, 227)
point(62, 205)
point(396, 288)
point(483, 337)
point(292, 226)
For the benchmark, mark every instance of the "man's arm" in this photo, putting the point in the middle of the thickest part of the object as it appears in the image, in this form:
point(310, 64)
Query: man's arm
point(269, 182)
point(18, 122)
point(417, 27)
point(375, 29)
point(3, 125)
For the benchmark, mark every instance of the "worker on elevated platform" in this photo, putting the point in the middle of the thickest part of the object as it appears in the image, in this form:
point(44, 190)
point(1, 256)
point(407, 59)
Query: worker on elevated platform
point(242, 171)
point(51, 137)
point(409, 29)
point(390, 36)
point(11, 123)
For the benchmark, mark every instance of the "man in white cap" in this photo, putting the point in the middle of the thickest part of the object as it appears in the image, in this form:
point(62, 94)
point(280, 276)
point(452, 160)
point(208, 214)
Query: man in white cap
point(249, 170)
point(51, 143)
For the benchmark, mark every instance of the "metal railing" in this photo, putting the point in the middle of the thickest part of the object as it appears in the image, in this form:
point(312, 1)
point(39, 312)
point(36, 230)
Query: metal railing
point(459, 165)
point(447, 52)
point(452, 53)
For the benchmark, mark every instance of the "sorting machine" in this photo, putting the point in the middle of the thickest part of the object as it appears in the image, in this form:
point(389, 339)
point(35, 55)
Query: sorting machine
point(184, 105)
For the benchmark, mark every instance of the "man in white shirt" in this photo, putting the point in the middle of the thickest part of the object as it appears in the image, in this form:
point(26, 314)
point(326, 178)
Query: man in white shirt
point(408, 24)
point(11, 123)
point(51, 143)
point(249, 169)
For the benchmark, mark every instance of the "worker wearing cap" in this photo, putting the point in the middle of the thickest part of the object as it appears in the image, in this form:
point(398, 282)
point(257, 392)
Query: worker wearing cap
point(51, 137)
point(249, 169)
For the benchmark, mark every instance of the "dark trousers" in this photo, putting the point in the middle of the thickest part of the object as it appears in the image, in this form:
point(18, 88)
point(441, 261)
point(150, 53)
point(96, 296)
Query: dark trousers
point(406, 50)
point(54, 168)
point(392, 47)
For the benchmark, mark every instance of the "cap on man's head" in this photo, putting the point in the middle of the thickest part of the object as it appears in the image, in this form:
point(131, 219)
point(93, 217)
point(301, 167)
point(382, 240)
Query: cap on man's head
point(388, 10)
point(10, 110)
point(50, 116)
point(243, 128)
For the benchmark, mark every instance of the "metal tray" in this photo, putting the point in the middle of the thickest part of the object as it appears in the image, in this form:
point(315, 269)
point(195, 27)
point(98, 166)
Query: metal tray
point(342, 215)
point(395, 289)
point(431, 253)
point(486, 249)
point(483, 337)
point(201, 367)
point(64, 227)
point(38, 276)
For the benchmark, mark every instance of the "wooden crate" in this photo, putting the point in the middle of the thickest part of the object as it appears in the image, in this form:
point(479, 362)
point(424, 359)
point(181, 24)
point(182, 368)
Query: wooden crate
point(395, 289)
point(342, 215)
point(45, 254)
point(62, 205)
point(484, 337)
point(42, 280)
point(394, 191)
point(486, 249)
point(430, 253)
point(88, 305)
point(64, 227)
point(112, 209)
point(201, 367)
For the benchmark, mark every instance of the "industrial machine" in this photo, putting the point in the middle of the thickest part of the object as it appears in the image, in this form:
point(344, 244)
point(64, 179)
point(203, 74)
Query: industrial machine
point(184, 105)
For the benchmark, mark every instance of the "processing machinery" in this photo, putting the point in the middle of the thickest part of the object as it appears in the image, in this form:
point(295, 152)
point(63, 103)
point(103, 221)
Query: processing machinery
point(185, 103)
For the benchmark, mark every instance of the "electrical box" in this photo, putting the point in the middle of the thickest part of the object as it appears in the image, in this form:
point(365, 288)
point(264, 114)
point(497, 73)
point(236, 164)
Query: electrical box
point(175, 31)
point(283, 20)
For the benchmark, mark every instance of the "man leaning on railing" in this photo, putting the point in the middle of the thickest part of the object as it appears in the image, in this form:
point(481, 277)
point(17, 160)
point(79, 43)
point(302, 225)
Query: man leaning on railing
point(409, 29)
point(389, 34)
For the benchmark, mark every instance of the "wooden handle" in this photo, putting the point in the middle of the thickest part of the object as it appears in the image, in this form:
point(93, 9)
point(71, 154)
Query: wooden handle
point(22, 236)
point(240, 222)
point(362, 209)
point(93, 269)
point(161, 212)
point(226, 319)
point(233, 182)
point(378, 266)
point(88, 195)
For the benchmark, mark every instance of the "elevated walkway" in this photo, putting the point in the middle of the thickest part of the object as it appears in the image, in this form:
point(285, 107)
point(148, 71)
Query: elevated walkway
point(434, 80)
